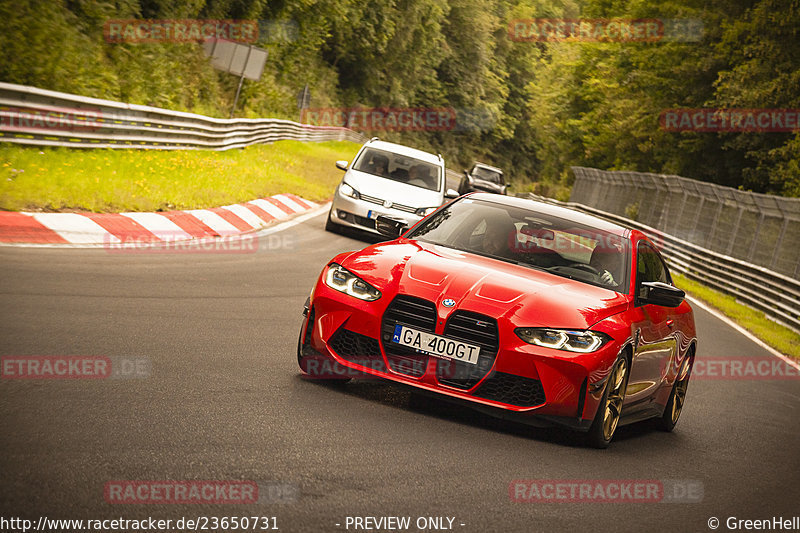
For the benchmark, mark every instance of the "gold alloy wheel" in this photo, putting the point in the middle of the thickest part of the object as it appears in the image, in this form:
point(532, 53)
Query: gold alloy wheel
point(614, 398)
point(680, 396)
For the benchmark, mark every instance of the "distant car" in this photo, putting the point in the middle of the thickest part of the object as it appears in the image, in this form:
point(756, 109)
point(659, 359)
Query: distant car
point(521, 309)
point(388, 179)
point(483, 178)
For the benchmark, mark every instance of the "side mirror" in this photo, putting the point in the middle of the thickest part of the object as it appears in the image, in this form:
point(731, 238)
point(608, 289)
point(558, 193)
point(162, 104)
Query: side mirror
point(451, 193)
point(658, 293)
point(341, 165)
point(390, 227)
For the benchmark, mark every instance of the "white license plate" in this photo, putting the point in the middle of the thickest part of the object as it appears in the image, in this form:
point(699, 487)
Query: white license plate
point(372, 215)
point(435, 345)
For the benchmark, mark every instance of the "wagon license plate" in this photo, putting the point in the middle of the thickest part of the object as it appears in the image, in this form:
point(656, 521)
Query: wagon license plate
point(436, 345)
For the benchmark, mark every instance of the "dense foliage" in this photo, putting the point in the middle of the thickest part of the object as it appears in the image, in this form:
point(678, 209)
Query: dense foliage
point(540, 107)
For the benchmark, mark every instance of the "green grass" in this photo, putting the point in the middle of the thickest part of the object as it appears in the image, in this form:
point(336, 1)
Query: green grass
point(62, 179)
point(779, 337)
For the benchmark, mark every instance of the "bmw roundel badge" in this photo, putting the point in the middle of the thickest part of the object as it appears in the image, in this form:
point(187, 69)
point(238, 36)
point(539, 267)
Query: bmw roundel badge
point(448, 302)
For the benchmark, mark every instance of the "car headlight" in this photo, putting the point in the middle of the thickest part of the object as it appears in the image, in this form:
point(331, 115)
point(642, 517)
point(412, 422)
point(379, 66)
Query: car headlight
point(347, 190)
point(342, 280)
point(562, 339)
point(425, 211)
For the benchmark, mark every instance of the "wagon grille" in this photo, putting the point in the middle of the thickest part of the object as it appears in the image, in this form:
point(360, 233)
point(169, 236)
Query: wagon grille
point(400, 207)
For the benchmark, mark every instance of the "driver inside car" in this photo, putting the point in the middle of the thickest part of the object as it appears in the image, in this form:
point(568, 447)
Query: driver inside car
point(607, 260)
point(499, 233)
point(378, 165)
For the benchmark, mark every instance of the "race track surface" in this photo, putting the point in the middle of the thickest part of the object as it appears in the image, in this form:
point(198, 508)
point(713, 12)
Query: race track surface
point(224, 401)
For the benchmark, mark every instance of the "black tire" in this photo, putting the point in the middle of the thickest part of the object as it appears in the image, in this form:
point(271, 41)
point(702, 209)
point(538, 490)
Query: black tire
point(677, 397)
point(610, 409)
point(330, 226)
point(331, 380)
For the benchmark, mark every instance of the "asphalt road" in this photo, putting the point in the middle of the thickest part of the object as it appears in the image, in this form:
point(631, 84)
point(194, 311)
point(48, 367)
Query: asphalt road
point(224, 401)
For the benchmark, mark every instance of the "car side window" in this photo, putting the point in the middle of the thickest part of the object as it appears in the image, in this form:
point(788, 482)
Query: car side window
point(650, 266)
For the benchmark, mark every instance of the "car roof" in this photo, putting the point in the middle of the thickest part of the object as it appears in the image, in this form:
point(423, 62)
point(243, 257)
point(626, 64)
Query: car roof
point(484, 165)
point(555, 211)
point(406, 151)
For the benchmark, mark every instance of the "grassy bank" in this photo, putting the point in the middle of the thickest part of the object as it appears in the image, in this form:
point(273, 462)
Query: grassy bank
point(779, 337)
point(61, 179)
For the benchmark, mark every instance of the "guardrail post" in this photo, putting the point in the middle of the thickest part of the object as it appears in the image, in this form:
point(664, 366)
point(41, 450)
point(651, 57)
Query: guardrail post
point(778, 243)
point(756, 236)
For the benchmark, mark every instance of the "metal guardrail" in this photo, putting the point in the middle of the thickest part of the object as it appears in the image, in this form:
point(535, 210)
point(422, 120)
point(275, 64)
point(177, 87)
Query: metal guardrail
point(778, 296)
point(33, 116)
point(757, 228)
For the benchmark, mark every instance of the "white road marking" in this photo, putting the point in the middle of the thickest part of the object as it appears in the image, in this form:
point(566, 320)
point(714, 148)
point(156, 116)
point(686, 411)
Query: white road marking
point(159, 225)
point(75, 228)
point(214, 221)
point(288, 202)
point(270, 208)
point(245, 214)
point(740, 329)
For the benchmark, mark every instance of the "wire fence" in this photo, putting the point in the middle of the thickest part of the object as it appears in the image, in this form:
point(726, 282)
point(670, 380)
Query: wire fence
point(760, 229)
point(778, 296)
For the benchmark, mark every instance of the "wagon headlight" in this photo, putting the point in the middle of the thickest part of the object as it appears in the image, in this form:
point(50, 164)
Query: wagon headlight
point(425, 211)
point(339, 278)
point(562, 339)
point(347, 190)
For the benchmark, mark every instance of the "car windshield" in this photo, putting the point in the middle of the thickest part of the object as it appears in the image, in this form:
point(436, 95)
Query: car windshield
point(399, 168)
point(488, 175)
point(532, 239)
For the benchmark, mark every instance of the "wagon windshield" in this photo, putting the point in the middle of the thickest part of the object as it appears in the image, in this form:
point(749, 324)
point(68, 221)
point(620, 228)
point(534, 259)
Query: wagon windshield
point(533, 239)
point(399, 168)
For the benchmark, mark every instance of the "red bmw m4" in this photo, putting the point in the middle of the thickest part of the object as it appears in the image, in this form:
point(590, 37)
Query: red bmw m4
point(522, 309)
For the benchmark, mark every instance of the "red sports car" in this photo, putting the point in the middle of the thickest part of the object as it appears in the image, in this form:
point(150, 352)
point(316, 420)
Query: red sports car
point(526, 310)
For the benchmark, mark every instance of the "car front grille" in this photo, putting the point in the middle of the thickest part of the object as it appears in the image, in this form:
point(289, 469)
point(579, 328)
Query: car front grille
point(512, 390)
point(415, 313)
point(399, 207)
point(472, 328)
point(358, 349)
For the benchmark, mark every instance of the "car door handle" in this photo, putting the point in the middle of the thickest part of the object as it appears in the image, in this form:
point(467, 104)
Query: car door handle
point(670, 323)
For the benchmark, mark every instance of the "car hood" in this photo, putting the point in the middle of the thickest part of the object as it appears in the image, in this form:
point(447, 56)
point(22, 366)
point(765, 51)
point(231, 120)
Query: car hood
point(397, 192)
point(523, 295)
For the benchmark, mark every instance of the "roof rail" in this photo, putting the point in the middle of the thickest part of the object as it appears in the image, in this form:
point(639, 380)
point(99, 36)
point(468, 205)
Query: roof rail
point(374, 139)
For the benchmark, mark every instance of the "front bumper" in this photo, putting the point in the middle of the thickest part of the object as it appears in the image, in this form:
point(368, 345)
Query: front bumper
point(353, 213)
point(346, 337)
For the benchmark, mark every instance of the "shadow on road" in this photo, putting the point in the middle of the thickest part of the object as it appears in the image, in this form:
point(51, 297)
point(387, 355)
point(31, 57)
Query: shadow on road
point(403, 397)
